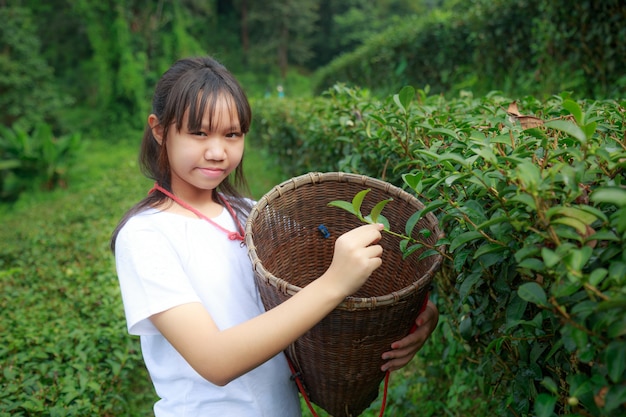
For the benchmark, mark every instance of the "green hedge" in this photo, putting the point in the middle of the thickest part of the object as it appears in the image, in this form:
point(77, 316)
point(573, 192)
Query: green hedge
point(533, 293)
point(520, 47)
point(64, 348)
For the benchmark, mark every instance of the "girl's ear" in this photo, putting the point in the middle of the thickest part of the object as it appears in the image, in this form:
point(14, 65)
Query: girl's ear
point(157, 129)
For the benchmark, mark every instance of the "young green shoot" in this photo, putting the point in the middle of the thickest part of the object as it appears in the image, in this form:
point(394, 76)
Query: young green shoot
point(408, 245)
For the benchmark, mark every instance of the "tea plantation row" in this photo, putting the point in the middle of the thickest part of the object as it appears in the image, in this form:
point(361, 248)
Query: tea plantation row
point(532, 198)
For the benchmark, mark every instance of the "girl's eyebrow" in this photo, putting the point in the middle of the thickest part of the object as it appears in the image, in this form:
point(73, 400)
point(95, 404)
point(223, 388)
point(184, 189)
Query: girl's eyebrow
point(230, 128)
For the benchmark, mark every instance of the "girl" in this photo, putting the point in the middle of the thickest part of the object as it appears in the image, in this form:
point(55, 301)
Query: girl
point(186, 280)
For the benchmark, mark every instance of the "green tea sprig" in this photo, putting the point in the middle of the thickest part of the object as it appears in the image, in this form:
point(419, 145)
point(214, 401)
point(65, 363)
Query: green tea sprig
point(408, 244)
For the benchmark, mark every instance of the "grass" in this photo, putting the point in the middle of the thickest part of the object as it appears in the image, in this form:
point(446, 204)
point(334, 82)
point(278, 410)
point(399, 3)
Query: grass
point(261, 171)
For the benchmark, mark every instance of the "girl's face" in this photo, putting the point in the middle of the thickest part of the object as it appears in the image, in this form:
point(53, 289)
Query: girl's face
point(201, 159)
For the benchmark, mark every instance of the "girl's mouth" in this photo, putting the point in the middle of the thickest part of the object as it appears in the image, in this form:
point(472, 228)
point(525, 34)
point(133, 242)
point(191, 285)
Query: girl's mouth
point(211, 172)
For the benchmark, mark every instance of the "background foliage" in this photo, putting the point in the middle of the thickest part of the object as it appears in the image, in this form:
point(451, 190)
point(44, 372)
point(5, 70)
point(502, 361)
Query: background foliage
point(521, 47)
point(21, 68)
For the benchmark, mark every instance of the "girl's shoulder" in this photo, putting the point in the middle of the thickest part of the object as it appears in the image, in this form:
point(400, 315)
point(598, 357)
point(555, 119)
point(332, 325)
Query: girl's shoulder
point(151, 219)
point(152, 228)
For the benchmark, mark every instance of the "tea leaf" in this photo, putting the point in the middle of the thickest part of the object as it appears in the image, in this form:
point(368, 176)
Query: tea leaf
point(413, 180)
point(487, 154)
point(615, 398)
point(525, 199)
point(529, 175)
point(445, 132)
point(465, 162)
point(489, 248)
point(464, 238)
point(491, 222)
point(404, 98)
point(590, 129)
point(427, 253)
point(411, 249)
point(357, 201)
point(544, 405)
point(468, 283)
point(378, 208)
point(584, 216)
point(569, 221)
point(533, 293)
point(550, 258)
point(412, 221)
point(577, 258)
point(9, 164)
point(568, 128)
point(343, 205)
point(573, 107)
point(613, 195)
point(451, 179)
point(532, 264)
point(597, 275)
point(380, 219)
point(594, 212)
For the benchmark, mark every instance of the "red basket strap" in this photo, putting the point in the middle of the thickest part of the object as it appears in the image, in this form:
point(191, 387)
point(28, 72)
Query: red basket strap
point(296, 377)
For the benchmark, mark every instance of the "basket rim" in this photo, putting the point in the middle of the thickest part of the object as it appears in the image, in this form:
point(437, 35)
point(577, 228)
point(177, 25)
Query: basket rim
point(349, 303)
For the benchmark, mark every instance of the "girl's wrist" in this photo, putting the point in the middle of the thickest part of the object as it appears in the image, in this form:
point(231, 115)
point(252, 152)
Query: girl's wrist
point(326, 286)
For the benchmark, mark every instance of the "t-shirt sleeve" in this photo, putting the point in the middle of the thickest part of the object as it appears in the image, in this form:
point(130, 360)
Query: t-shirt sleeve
point(151, 276)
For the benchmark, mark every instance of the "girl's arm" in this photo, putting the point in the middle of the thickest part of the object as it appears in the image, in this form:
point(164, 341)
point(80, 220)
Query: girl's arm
point(221, 356)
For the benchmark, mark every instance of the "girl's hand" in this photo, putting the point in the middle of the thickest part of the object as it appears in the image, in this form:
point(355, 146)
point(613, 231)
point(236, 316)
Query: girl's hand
point(405, 349)
point(355, 257)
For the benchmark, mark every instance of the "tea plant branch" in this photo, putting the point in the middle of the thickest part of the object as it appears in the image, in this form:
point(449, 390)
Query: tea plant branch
point(622, 144)
point(531, 338)
point(375, 216)
point(560, 310)
point(403, 101)
point(491, 190)
point(476, 228)
point(594, 290)
point(511, 410)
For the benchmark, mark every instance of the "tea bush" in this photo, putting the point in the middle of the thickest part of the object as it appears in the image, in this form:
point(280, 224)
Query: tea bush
point(64, 349)
point(533, 292)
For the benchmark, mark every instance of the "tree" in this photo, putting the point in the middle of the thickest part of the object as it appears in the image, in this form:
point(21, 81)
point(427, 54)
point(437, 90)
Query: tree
point(281, 31)
point(346, 24)
point(28, 94)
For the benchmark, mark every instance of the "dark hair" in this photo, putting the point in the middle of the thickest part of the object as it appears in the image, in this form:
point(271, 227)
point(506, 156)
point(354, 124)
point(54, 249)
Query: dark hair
point(194, 84)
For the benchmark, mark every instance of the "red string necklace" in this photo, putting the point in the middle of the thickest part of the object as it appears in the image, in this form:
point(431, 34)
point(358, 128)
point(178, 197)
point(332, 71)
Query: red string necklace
point(231, 235)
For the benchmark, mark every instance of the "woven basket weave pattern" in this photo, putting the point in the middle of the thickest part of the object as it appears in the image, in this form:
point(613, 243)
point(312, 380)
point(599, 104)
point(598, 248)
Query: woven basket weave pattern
point(339, 358)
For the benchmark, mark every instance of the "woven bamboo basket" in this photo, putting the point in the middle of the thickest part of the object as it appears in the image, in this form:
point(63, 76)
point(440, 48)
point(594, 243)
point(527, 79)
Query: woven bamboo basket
point(339, 359)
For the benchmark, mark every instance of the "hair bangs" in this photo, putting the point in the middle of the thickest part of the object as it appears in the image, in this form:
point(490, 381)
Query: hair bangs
point(199, 94)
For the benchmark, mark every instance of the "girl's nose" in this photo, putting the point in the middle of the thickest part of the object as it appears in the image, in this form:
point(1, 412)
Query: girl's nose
point(215, 150)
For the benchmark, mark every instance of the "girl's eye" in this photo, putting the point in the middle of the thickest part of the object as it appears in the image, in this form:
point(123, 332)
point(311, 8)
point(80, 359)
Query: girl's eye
point(229, 135)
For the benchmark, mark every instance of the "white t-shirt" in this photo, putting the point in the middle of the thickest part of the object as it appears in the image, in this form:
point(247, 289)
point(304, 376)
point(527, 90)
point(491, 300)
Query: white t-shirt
point(164, 260)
